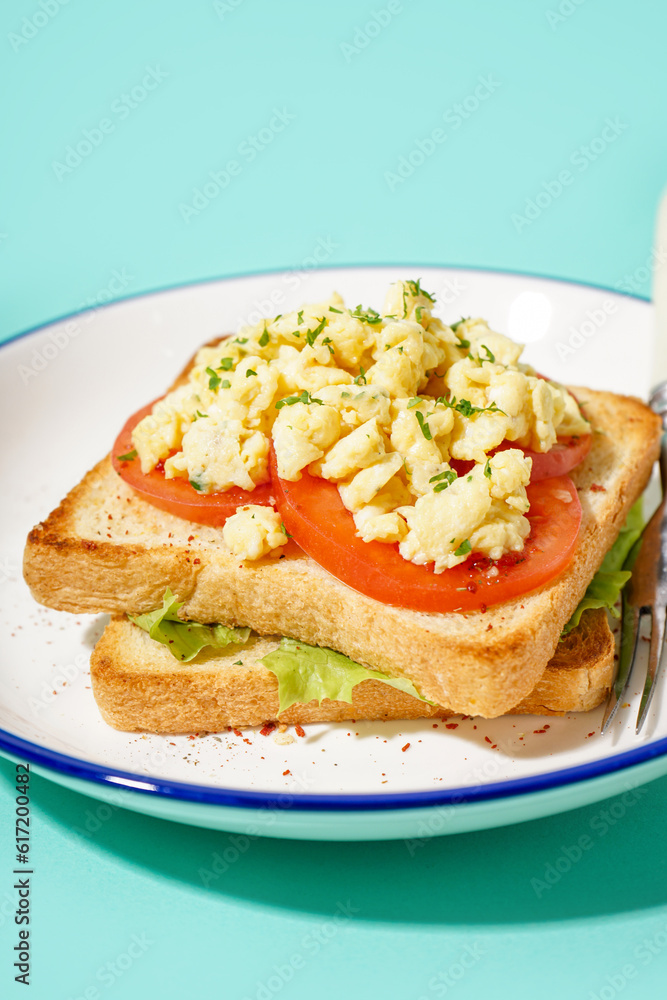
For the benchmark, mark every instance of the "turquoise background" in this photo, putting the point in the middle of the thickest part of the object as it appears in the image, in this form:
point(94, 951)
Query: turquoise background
point(113, 224)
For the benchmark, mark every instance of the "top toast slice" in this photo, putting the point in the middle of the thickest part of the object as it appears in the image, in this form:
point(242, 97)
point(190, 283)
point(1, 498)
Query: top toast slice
point(106, 550)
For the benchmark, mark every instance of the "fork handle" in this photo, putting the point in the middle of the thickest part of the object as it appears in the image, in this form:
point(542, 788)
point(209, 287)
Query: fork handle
point(658, 403)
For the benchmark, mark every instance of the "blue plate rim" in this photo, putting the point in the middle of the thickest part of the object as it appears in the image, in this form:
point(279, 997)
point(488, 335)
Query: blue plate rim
point(99, 774)
point(73, 767)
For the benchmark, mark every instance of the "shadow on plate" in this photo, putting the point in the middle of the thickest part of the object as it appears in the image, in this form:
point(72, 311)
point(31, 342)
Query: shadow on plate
point(598, 860)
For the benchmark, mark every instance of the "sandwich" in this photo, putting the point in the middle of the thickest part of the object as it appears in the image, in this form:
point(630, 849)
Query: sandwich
point(349, 514)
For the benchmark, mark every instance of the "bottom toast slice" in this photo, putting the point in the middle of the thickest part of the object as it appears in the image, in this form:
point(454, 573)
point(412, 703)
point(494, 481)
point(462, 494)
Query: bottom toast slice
point(139, 686)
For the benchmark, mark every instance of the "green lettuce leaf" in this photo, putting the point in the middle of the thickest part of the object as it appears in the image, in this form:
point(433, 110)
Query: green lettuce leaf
point(605, 588)
point(185, 639)
point(306, 673)
point(628, 535)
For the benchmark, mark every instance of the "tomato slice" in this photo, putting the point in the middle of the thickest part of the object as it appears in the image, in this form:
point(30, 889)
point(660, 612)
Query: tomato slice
point(564, 456)
point(567, 453)
point(313, 513)
point(177, 496)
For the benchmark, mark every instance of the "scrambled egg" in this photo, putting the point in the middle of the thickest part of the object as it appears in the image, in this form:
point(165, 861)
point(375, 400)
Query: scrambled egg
point(254, 531)
point(377, 403)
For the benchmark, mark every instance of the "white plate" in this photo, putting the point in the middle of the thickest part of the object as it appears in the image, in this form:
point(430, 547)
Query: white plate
point(68, 387)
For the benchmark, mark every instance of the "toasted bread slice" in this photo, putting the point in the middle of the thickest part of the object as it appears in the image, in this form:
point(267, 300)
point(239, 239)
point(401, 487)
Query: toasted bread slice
point(139, 686)
point(106, 550)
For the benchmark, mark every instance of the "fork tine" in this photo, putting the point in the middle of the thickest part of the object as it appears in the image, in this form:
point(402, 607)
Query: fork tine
point(627, 660)
point(655, 658)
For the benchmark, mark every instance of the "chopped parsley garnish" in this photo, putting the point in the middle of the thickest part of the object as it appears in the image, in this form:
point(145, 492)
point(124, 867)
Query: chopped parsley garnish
point(443, 480)
point(465, 407)
point(196, 486)
point(249, 372)
point(240, 340)
point(299, 317)
point(200, 416)
point(361, 377)
point(226, 365)
point(464, 548)
point(264, 339)
point(333, 310)
point(327, 343)
point(464, 344)
point(128, 456)
point(312, 335)
point(455, 326)
point(366, 315)
point(487, 468)
point(285, 531)
point(489, 355)
point(344, 395)
point(415, 401)
point(303, 397)
point(225, 384)
point(214, 379)
point(417, 290)
point(425, 429)
point(418, 313)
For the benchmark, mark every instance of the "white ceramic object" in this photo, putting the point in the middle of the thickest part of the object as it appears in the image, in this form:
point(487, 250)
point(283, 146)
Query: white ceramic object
point(67, 389)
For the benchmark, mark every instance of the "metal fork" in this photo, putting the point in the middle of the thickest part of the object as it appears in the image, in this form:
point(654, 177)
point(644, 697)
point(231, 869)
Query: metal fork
point(645, 594)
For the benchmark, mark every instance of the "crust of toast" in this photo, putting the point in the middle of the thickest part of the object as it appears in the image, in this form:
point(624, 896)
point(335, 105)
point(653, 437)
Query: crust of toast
point(140, 687)
point(106, 550)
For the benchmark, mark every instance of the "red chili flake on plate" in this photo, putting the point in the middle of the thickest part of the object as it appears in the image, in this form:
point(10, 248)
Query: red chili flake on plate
point(487, 739)
point(591, 734)
point(299, 730)
point(237, 732)
point(267, 728)
point(452, 725)
point(403, 749)
point(286, 772)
